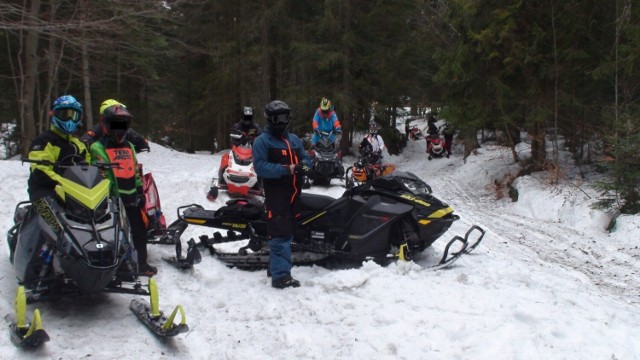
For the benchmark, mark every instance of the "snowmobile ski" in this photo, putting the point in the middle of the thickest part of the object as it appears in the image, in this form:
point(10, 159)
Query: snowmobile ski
point(24, 334)
point(448, 257)
point(154, 319)
point(170, 235)
point(474, 245)
point(184, 263)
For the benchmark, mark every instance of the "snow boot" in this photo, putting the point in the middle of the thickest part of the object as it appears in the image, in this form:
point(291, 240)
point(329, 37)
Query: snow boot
point(285, 282)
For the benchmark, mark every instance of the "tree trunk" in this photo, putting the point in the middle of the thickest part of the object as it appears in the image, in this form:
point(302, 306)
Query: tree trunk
point(86, 81)
point(29, 86)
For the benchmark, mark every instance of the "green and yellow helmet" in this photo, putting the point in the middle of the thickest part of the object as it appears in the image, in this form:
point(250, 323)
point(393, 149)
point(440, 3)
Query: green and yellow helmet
point(325, 104)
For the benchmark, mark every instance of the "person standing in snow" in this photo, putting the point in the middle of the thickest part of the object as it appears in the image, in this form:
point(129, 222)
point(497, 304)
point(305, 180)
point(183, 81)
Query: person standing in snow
point(126, 182)
point(280, 159)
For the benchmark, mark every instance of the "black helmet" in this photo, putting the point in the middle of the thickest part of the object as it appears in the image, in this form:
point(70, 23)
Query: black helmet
point(247, 115)
point(277, 114)
point(116, 120)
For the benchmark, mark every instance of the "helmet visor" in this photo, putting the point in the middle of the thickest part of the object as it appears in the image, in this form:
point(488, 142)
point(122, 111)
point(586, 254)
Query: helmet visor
point(281, 119)
point(67, 114)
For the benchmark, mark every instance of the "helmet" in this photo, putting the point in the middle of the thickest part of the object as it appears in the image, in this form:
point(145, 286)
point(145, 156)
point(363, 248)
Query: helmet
point(247, 115)
point(66, 113)
point(325, 104)
point(373, 128)
point(277, 114)
point(116, 120)
point(109, 102)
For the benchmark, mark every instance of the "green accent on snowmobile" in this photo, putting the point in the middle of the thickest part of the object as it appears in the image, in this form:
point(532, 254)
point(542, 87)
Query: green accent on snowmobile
point(90, 198)
point(23, 333)
point(154, 319)
point(154, 299)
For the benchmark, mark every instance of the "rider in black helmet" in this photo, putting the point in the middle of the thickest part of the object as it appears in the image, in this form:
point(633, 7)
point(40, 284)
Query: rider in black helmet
point(280, 159)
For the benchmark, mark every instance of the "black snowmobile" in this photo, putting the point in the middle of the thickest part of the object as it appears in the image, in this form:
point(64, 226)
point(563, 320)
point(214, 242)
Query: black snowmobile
point(326, 159)
point(389, 217)
point(76, 244)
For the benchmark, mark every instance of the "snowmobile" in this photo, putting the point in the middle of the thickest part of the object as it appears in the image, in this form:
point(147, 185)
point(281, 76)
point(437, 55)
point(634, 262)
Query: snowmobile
point(327, 160)
point(77, 243)
point(238, 178)
point(415, 133)
point(390, 217)
point(366, 168)
point(435, 145)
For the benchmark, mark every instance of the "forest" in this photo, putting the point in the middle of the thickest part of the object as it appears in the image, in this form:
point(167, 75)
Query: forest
point(566, 72)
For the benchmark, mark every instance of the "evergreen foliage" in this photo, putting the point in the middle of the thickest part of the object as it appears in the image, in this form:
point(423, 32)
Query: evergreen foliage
point(565, 72)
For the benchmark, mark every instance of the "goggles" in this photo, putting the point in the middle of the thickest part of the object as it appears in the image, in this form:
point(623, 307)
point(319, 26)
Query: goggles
point(67, 114)
point(280, 119)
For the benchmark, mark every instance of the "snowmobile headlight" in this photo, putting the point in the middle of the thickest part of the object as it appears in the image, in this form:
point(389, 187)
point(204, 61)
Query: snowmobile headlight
point(80, 212)
point(417, 187)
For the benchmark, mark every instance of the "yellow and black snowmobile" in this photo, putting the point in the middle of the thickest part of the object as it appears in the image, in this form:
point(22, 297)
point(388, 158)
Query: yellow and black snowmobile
point(77, 243)
point(389, 217)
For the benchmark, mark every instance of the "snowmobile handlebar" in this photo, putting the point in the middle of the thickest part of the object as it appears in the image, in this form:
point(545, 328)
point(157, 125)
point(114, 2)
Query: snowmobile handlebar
point(58, 164)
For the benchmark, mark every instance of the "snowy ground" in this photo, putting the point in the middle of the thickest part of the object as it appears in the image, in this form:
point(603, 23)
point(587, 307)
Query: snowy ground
point(548, 282)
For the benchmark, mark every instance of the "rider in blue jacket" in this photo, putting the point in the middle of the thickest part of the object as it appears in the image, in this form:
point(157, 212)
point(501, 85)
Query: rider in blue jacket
point(325, 119)
point(279, 159)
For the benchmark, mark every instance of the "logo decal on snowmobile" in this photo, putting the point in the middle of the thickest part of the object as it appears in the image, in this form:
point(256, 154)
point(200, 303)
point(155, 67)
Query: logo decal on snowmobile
point(376, 217)
point(235, 225)
point(47, 215)
point(415, 200)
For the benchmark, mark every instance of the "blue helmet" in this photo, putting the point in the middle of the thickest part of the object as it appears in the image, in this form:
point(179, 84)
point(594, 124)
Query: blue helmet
point(66, 113)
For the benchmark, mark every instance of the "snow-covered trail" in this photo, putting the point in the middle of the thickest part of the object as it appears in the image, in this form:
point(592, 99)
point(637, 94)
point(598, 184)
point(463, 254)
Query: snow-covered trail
point(504, 301)
point(613, 268)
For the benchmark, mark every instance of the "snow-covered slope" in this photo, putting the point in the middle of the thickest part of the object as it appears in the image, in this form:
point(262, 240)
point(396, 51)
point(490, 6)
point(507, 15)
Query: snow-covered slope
point(547, 282)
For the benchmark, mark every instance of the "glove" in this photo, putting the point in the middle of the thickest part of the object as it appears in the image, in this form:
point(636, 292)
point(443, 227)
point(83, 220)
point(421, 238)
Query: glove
point(299, 169)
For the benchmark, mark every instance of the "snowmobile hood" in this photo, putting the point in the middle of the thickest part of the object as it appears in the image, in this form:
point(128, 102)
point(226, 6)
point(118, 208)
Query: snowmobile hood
point(85, 185)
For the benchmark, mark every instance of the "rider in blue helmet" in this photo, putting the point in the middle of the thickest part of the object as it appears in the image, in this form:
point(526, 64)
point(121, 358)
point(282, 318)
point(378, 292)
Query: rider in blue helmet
point(56, 144)
point(66, 113)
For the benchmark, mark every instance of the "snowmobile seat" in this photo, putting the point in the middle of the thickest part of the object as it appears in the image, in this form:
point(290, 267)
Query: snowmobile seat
point(315, 201)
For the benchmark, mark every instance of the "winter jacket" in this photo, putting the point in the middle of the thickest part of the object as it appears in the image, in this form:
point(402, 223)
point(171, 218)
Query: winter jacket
point(325, 122)
point(126, 181)
point(248, 133)
point(272, 156)
point(52, 145)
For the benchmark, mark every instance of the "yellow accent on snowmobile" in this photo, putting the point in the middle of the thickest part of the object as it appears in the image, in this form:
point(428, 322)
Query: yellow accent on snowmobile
point(169, 323)
point(441, 213)
point(313, 218)
point(234, 225)
point(153, 299)
point(91, 198)
point(194, 221)
point(402, 253)
point(416, 200)
point(21, 314)
point(424, 222)
point(154, 311)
